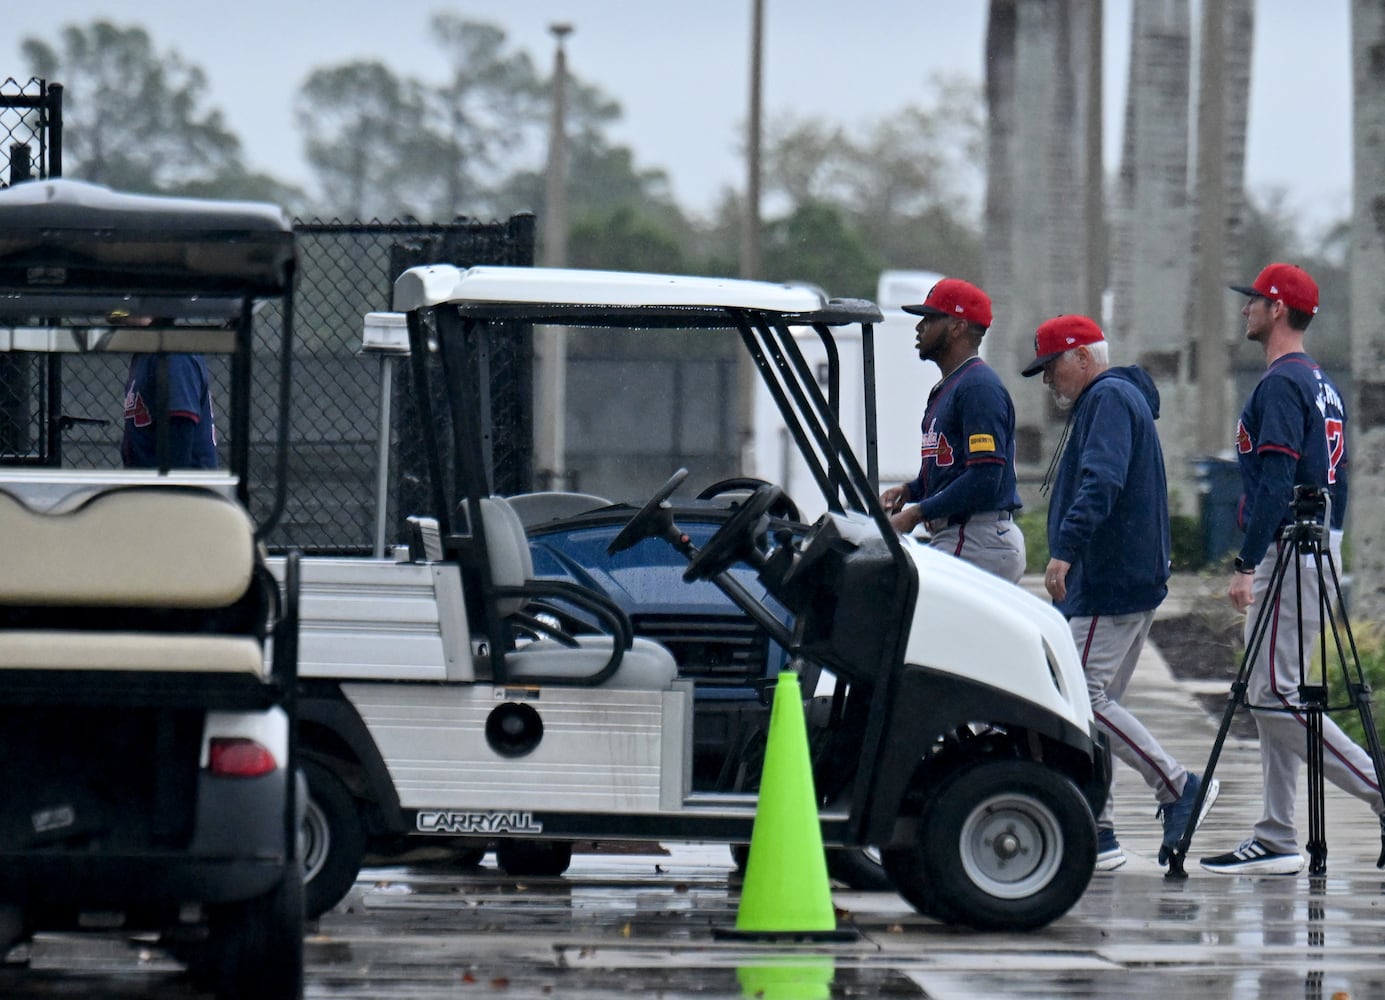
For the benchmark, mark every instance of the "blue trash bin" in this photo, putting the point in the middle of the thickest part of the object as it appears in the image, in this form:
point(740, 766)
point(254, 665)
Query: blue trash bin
point(1219, 483)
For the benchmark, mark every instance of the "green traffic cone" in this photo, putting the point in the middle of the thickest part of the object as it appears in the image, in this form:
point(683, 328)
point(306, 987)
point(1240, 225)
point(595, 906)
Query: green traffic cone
point(786, 892)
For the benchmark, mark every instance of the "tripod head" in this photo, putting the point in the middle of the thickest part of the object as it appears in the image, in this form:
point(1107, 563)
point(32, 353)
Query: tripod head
point(1312, 509)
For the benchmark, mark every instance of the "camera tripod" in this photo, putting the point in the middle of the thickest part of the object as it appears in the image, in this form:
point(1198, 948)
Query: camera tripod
point(1307, 535)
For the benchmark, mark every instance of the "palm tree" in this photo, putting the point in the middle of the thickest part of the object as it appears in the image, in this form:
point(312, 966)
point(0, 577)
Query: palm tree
point(1367, 509)
point(1044, 220)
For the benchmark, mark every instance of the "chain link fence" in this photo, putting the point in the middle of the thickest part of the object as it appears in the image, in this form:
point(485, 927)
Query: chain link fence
point(345, 271)
point(30, 129)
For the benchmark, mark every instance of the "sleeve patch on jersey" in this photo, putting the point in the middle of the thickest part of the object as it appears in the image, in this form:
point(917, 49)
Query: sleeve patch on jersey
point(981, 442)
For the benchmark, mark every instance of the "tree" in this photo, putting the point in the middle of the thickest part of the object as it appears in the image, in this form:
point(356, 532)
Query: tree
point(362, 127)
point(490, 106)
point(905, 183)
point(387, 145)
point(134, 118)
point(815, 244)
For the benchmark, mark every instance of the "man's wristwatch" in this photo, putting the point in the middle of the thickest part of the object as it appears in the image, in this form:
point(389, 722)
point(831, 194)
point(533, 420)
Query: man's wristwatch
point(1241, 566)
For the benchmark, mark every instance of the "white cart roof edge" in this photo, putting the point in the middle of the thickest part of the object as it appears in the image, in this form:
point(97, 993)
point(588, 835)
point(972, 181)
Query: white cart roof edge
point(439, 284)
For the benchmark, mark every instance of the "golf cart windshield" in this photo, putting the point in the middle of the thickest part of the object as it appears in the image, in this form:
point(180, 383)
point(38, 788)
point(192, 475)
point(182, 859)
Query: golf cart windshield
point(454, 307)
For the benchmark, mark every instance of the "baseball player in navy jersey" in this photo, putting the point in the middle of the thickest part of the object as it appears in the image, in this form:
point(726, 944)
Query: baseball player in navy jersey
point(1108, 537)
point(965, 492)
point(191, 430)
point(1292, 432)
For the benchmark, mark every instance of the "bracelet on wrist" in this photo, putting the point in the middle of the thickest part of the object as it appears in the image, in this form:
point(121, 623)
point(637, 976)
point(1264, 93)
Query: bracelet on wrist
point(1241, 566)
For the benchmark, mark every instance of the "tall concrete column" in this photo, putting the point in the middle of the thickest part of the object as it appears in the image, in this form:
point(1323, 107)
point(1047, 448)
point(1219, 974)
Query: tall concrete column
point(550, 342)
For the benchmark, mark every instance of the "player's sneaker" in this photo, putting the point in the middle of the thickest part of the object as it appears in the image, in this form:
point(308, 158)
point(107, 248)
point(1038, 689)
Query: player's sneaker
point(1175, 814)
point(1109, 855)
point(1254, 858)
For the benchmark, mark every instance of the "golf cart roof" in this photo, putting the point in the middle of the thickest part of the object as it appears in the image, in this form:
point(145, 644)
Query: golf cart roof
point(67, 235)
point(110, 264)
point(618, 298)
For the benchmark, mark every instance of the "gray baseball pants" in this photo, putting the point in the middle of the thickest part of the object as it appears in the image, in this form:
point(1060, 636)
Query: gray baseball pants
point(1110, 647)
point(990, 540)
point(1273, 683)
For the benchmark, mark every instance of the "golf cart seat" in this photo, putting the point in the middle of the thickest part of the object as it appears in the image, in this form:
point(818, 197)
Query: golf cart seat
point(553, 505)
point(136, 578)
point(618, 660)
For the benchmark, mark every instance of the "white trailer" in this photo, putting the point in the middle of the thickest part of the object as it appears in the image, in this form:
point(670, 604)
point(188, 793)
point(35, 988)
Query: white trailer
point(901, 384)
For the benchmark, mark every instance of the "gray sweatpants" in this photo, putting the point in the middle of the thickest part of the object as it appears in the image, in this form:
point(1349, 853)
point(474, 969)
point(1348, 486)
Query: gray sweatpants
point(988, 541)
point(1273, 682)
point(1110, 647)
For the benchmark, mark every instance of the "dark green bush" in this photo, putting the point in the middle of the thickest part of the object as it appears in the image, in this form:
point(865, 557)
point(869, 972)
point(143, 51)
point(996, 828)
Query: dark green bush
point(1370, 646)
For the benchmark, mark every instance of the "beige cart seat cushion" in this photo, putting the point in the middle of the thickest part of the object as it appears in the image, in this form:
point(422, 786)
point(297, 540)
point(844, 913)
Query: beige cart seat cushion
point(136, 547)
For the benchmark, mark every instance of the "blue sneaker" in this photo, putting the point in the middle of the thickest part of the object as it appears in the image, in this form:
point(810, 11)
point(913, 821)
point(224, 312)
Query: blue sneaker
point(1175, 814)
point(1109, 855)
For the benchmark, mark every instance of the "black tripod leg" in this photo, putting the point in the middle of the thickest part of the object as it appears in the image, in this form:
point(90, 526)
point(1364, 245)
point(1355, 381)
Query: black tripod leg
point(1235, 697)
point(1317, 834)
point(1357, 687)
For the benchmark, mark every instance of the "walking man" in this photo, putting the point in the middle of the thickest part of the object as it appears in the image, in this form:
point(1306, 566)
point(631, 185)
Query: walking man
point(1292, 432)
point(965, 492)
point(1108, 537)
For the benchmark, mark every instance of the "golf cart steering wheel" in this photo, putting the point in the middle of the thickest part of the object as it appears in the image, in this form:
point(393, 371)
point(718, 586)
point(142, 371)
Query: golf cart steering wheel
point(651, 520)
point(734, 537)
point(782, 508)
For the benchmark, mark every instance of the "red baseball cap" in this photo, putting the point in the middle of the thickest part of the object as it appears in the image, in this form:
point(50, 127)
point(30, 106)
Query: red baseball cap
point(955, 297)
point(1059, 334)
point(1289, 283)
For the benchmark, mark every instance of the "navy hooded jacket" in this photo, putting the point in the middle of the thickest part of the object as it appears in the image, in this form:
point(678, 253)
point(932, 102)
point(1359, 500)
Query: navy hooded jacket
point(1109, 515)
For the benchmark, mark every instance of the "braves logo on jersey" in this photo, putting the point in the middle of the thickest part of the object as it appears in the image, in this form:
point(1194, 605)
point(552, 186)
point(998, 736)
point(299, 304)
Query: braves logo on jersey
point(136, 410)
point(935, 447)
point(1243, 442)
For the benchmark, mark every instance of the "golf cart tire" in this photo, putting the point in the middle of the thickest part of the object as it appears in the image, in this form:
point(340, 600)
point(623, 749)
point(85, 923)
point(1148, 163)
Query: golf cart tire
point(858, 868)
point(255, 948)
point(533, 858)
point(334, 840)
point(465, 856)
point(1002, 845)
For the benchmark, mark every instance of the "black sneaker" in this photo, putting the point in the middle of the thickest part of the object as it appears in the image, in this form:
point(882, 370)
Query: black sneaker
point(1254, 858)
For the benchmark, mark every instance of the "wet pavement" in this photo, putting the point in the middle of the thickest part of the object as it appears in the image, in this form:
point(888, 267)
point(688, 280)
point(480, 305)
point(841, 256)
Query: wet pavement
point(644, 924)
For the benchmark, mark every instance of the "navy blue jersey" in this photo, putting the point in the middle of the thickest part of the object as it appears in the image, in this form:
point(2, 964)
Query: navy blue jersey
point(968, 450)
point(192, 432)
point(1292, 432)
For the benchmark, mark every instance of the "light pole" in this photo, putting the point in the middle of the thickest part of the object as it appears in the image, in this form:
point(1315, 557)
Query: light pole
point(550, 342)
point(746, 376)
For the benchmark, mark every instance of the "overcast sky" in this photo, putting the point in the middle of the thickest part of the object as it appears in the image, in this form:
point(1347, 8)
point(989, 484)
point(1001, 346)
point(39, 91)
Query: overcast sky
point(679, 68)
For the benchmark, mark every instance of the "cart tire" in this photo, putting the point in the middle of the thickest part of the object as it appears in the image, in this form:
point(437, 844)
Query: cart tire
point(466, 857)
point(255, 948)
point(530, 858)
point(334, 840)
point(858, 868)
point(740, 856)
point(1002, 845)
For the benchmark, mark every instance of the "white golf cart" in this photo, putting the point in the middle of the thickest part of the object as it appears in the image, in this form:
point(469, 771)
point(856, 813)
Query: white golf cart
point(439, 699)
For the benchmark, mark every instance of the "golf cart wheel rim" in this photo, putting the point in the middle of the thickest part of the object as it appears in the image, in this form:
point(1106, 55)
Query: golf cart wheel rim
point(1011, 846)
point(316, 839)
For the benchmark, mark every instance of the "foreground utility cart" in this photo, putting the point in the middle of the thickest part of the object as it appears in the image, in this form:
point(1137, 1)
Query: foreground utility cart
point(957, 738)
point(146, 738)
